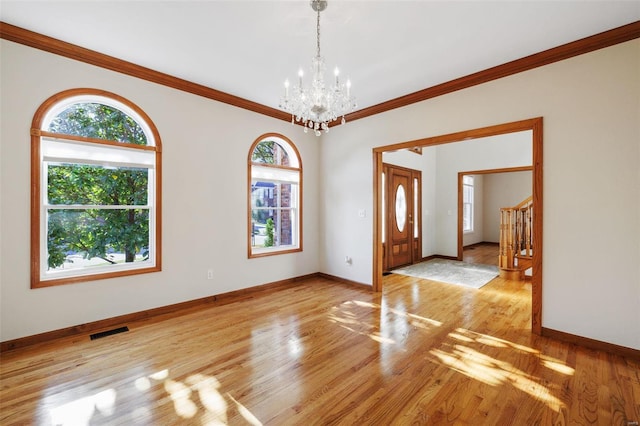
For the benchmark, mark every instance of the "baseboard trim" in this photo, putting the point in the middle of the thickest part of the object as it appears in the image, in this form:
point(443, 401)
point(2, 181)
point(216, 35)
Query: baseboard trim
point(169, 310)
point(345, 281)
point(439, 256)
point(592, 343)
point(481, 243)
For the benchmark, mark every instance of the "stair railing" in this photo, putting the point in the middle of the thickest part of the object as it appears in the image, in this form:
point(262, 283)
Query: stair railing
point(516, 235)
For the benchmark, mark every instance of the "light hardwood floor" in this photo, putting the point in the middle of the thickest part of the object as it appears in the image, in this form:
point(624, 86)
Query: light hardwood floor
point(484, 253)
point(320, 352)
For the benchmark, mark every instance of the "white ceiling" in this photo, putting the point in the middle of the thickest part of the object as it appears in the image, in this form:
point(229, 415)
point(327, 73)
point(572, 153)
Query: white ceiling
point(388, 48)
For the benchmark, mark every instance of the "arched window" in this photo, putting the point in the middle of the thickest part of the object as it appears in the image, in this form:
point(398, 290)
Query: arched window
point(275, 196)
point(95, 189)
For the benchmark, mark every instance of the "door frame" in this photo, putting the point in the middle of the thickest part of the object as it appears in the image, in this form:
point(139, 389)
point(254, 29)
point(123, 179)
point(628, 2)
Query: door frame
point(532, 124)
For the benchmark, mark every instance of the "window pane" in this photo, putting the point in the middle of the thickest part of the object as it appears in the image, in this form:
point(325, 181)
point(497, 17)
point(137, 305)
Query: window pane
point(467, 218)
point(467, 199)
point(264, 194)
point(93, 237)
point(384, 206)
point(270, 152)
point(273, 227)
point(401, 208)
point(272, 215)
point(415, 209)
point(273, 194)
point(85, 184)
point(94, 120)
point(467, 194)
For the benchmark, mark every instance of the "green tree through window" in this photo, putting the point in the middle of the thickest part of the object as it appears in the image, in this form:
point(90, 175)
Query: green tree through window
point(93, 232)
point(98, 121)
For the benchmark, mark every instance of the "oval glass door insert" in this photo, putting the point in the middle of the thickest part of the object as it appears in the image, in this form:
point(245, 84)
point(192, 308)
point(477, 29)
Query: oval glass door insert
point(401, 208)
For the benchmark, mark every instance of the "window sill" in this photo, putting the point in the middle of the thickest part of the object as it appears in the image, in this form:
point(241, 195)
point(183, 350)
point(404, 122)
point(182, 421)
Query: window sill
point(78, 278)
point(263, 252)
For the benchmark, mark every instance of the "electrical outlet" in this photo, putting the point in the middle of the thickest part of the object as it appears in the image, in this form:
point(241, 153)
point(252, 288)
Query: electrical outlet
point(210, 274)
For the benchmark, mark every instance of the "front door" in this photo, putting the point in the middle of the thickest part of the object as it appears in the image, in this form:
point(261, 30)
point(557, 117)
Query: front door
point(402, 221)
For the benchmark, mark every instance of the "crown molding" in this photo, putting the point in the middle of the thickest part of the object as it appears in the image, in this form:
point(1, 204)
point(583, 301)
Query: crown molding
point(588, 44)
point(72, 51)
point(546, 57)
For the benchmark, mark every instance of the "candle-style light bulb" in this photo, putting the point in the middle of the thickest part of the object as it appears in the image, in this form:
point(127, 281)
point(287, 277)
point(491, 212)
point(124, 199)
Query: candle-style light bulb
point(336, 72)
point(300, 74)
point(348, 87)
point(286, 88)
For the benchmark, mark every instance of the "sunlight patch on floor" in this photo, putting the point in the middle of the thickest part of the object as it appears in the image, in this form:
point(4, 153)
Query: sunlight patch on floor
point(244, 412)
point(181, 397)
point(465, 351)
point(81, 410)
point(493, 341)
point(210, 397)
point(472, 362)
point(397, 312)
point(185, 395)
point(393, 322)
point(557, 365)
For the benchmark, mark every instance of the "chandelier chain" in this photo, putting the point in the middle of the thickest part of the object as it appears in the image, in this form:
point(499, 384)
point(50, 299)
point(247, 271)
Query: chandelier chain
point(318, 33)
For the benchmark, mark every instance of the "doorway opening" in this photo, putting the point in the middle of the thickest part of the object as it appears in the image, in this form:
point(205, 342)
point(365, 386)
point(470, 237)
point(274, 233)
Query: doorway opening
point(533, 125)
point(498, 189)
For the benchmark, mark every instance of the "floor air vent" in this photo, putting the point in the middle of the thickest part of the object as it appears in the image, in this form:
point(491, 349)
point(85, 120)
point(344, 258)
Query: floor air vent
point(108, 332)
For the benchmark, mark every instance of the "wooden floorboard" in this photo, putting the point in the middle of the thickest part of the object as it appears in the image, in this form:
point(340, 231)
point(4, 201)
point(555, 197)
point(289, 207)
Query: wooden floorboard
point(321, 352)
point(484, 253)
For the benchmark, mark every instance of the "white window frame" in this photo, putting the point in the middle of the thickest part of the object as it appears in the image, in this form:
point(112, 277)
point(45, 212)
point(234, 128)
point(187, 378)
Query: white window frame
point(123, 160)
point(277, 174)
point(467, 192)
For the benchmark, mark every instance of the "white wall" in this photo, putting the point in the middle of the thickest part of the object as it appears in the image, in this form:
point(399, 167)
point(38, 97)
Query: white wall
point(496, 152)
point(502, 190)
point(205, 149)
point(591, 110)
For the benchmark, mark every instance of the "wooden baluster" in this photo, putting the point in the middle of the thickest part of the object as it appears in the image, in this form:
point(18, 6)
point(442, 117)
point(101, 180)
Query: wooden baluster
point(523, 232)
point(513, 237)
point(501, 256)
point(528, 230)
point(505, 249)
point(516, 235)
point(519, 223)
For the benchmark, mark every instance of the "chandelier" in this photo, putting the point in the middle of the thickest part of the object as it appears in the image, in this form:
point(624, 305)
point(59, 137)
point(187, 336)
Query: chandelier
point(316, 105)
